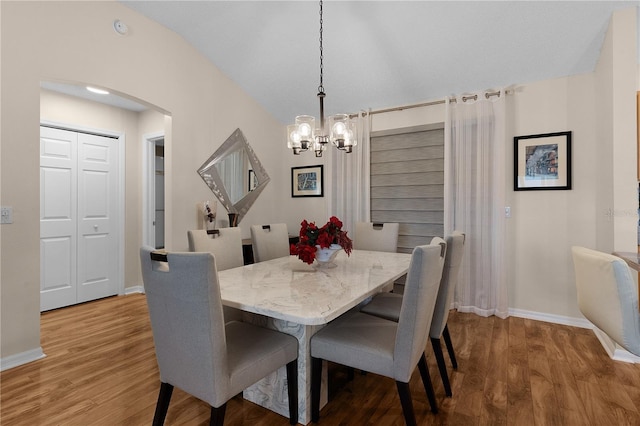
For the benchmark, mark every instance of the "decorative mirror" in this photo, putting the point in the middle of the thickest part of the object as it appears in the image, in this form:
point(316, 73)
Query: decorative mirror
point(235, 175)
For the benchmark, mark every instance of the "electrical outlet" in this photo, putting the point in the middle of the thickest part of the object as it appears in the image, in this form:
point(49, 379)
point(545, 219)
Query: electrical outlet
point(507, 212)
point(6, 215)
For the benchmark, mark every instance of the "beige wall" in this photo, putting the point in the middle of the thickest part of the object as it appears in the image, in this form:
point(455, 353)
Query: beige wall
point(75, 42)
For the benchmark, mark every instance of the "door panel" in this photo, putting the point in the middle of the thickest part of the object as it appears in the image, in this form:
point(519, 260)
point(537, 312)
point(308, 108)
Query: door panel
point(58, 218)
point(97, 245)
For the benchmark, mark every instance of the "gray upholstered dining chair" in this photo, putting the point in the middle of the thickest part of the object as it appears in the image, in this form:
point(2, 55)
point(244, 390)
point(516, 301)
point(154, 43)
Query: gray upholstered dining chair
point(608, 296)
point(269, 241)
point(196, 351)
point(389, 348)
point(376, 236)
point(226, 246)
point(224, 243)
point(387, 305)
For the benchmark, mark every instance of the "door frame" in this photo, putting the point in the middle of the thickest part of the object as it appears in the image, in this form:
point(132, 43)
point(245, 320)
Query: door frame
point(120, 139)
point(148, 186)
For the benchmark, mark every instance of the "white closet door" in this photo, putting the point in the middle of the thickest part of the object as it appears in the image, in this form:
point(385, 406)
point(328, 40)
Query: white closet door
point(58, 218)
point(97, 217)
point(78, 223)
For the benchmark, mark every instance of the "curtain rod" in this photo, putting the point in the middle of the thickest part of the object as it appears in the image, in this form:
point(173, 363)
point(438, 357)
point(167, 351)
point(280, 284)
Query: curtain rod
point(425, 104)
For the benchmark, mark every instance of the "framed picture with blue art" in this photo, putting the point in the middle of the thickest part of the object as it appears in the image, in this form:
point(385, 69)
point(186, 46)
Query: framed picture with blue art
point(307, 181)
point(542, 162)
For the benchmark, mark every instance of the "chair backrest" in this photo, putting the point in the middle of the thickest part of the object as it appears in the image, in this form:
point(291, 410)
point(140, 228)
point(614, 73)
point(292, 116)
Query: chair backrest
point(450, 276)
point(226, 246)
point(607, 296)
point(376, 236)
point(418, 301)
point(269, 241)
point(183, 296)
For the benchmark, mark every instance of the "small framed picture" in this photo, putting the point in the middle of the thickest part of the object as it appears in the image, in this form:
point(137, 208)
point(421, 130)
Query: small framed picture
point(253, 181)
point(542, 161)
point(307, 181)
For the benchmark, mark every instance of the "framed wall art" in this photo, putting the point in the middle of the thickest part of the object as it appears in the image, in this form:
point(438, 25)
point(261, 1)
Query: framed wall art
point(542, 162)
point(253, 181)
point(307, 181)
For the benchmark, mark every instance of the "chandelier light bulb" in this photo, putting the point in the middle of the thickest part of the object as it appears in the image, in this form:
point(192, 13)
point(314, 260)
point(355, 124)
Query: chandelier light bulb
point(304, 130)
point(339, 128)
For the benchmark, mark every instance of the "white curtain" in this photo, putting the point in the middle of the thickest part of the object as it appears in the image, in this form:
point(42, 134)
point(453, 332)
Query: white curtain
point(349, 197)
point(475, 199)
point(232, 172)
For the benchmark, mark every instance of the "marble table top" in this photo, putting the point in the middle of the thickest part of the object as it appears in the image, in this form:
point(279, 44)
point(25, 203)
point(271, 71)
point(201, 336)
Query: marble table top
point(290, 290)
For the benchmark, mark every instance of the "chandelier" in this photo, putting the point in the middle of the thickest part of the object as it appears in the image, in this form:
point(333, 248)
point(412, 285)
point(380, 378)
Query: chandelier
point(341, 130)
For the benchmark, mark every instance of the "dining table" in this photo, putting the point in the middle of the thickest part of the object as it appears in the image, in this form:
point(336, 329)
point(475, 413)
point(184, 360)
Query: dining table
point(290, 296)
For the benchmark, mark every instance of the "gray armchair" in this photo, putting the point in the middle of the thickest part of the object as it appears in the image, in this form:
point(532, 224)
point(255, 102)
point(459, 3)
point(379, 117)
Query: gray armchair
point(269, 241)
point(608, 296)
point(387, 305)
point(391, 349)
point(196, 351)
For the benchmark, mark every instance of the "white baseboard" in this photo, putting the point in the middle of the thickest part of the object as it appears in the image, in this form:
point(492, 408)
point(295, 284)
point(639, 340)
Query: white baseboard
point(21, 358)
point(555, 319)
point(134, 289)
point(614, 351)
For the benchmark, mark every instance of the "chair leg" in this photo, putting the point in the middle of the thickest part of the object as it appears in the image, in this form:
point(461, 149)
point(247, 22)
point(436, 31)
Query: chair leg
point(217, 415)
point(292, 387)
point(350, 374)
point(428, 386)
point(407, 405)
point(437, 350)
point(164, 397)
point(316, 379)
point(447, 341)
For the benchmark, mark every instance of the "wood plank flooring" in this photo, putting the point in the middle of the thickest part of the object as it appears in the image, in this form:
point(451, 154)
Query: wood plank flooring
point(100, 369)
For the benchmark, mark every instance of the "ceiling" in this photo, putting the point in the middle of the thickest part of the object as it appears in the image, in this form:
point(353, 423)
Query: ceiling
point(379, 54)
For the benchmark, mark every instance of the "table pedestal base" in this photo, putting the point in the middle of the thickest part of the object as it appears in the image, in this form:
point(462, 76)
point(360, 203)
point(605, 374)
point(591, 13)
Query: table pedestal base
point(271, 392)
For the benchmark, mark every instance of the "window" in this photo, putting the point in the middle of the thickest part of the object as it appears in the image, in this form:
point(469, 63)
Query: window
point(407, 182)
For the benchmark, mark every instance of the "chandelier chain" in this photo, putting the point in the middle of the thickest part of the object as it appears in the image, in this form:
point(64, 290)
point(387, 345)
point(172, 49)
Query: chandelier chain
point(321, 87)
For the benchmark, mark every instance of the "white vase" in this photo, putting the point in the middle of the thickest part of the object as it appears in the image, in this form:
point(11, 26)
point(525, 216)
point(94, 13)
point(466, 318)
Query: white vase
point(325, 256)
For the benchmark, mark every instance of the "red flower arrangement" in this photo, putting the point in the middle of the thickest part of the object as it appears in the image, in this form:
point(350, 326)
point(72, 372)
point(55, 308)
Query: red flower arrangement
point(311, 235)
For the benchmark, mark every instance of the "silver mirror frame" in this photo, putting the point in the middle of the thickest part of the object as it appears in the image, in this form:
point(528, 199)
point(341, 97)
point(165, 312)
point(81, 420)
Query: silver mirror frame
point(212, 178)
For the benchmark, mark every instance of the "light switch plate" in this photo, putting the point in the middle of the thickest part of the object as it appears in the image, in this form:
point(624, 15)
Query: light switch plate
point(6, 215)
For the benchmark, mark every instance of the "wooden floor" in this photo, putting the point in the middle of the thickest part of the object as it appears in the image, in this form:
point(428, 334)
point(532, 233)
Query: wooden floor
point(100, 369)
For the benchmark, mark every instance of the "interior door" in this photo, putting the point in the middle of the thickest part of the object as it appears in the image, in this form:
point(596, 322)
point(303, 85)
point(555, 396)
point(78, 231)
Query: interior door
point(78, 222)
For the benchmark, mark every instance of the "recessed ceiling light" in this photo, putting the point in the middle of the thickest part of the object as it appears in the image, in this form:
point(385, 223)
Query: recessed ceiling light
point(98, 91)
